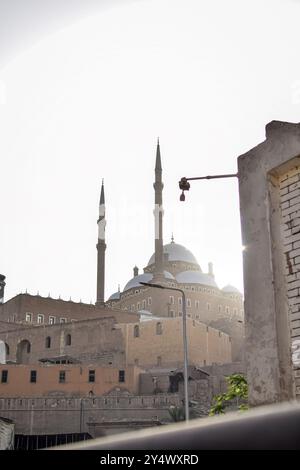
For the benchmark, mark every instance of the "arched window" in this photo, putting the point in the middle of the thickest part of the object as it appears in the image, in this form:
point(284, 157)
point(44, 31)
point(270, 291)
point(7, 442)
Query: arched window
point(68, 340)
point(136, 331)
point(158, 328)
point(23, 351)
point(6, 349)
point(48, 342)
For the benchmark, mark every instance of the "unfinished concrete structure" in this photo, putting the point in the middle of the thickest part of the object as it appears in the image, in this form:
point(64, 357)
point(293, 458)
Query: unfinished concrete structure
point(269, 186)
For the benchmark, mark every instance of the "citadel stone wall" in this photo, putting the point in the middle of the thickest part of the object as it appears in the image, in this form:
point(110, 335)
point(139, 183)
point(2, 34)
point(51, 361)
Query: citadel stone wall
point(163, 346)
point(77, 415)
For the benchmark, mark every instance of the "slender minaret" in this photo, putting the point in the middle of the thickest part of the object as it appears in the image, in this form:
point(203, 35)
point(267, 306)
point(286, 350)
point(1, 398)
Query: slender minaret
point(2, 285)
point(158, 218)
point(101, 247)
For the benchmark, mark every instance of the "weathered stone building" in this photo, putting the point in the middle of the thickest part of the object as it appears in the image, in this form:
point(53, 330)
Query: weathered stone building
point(151, 341)
point(85, 341)
point(67, 380)
point(38, 310)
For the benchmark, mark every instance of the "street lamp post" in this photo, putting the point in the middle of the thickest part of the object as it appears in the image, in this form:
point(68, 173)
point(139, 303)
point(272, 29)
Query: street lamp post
point(185, 349)
point(184, 184)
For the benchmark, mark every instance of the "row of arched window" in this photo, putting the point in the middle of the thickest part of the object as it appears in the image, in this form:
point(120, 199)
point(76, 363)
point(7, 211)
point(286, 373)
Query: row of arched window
point(23, 344)
point(24, 348)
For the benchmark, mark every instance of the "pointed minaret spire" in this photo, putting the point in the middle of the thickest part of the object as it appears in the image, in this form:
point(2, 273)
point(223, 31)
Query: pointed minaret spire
point(101, 221)
point(158, 158)
point(158, 216)
point(102, 197)
point(101, 247)
point(172, 238)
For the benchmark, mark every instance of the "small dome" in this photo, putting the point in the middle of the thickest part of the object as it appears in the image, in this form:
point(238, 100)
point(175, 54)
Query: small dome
point(146, 277)
point(135, 281)
point(115, 296)
point(196, 277)
point(231, 289)
point(176, 252)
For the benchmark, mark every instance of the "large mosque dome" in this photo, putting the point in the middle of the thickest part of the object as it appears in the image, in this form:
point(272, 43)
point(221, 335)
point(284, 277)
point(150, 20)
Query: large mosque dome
point(176, 252)
point(196, 277)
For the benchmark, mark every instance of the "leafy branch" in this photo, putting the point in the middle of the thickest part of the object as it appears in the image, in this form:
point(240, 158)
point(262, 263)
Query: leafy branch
point(237, 389)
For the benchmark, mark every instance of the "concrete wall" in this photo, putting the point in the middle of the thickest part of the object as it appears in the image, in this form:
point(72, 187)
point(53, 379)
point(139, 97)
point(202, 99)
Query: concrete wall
point(270, 208)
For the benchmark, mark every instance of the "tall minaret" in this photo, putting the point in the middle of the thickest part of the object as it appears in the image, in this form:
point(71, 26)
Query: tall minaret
point(158, 217)
point(2, 285)
point(101, 247)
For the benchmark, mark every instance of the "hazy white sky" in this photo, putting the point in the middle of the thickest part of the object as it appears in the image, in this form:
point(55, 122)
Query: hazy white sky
point(88, 101)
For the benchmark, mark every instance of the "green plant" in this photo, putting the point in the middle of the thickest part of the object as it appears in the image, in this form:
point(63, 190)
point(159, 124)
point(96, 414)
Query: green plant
point(237, 391)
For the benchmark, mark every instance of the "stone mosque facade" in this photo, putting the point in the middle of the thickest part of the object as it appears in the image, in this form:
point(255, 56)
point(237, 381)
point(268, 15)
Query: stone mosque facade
point(174, 266)
point(138, 327)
